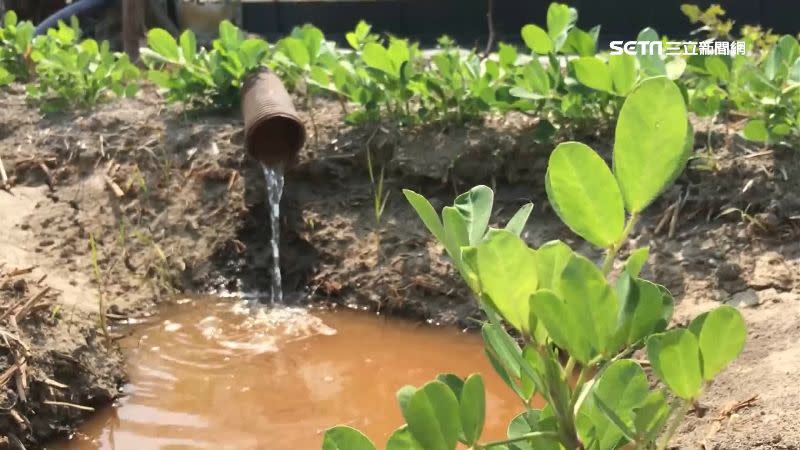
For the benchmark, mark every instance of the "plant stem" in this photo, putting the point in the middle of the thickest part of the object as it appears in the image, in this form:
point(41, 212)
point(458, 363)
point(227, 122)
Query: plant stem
point(536, 434)
point(678, 413)
point(569, 367)
point(611, 254)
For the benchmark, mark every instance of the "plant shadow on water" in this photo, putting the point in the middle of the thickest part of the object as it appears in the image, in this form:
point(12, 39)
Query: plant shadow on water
point(218, 373)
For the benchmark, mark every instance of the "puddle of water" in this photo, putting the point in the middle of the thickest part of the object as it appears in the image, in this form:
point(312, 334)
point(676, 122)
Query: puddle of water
point(274, 181)
point(221, 374)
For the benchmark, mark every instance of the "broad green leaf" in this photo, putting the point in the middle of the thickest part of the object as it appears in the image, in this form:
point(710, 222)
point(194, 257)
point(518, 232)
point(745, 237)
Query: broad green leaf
point(377, 57)
point(188, 42)
point(475, 206)
point(296, 50)
point(426, 212)
point(161, 79)
point(402, 439)
point(529, 422)
point(756, 131)
point(590, 300)
point(313, 38)
point(585, 194)
point(720, 333)
point(507, 272)
point(563, 326)
point(623, 73)
point(469, 270)
point(593, 73)
point(781, 129)
point(651, 416)
point(10, 19)
point(398, 52)
point(472, 406)
point(581, 42)
point(524, 93)
point(651, 63)
point(403, 396)
point(551, 258)
point(502, 346)
point(650, 141)
point(252, 52)
point(560, 20)
point(163, 43)
point(537, 39)
point(452, 381)
point(520, 218)
point(229, 35)
point(432, 415)
point(636, 261)
point(504, 374)
point(536, 78)
point(794, 72)
point(345, 438)
point(642, 311)
point(717, 67)
point(5, 77)
point(455, 232)
point(535, 361)
point(675, 358)
point(608, 413)
point(507, 54)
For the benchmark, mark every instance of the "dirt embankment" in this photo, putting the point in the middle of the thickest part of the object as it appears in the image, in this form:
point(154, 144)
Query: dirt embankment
point(173, 204)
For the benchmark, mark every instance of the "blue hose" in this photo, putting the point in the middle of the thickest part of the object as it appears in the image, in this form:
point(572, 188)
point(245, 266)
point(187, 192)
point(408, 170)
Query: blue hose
point(78, 8)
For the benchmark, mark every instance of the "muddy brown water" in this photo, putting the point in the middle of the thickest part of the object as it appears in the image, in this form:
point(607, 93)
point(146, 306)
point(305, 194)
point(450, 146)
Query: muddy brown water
point(222, 374)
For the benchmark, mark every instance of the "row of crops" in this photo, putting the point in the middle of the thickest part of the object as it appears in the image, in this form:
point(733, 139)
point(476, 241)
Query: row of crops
point(559, 76)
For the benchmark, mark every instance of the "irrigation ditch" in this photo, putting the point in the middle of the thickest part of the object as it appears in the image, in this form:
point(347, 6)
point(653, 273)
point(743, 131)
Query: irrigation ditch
point(120, 209)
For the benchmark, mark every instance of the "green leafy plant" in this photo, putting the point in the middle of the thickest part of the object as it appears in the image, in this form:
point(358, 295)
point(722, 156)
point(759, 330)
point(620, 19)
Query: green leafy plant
point(203, 78)
point(571, 316)
point(768, 91)
point(15, 44)
point(711, 19)
point(78, 74)
point(379, 195)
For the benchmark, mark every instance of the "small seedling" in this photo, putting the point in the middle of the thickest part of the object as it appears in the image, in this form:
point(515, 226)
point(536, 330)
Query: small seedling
point(101, 306)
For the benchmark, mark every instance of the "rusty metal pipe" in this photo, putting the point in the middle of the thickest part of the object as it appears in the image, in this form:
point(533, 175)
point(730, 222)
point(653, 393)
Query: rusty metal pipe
point(274, 133)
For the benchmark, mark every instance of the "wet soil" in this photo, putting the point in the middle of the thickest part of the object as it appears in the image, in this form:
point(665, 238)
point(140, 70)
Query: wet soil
point(174, 205)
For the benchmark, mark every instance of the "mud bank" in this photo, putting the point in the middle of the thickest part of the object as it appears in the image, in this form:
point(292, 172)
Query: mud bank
point(173, 205)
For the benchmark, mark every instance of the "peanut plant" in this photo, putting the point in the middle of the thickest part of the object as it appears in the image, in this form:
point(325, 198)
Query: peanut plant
point(74, 73)
point(572, 316)
point(15, 43)
point(198, 77)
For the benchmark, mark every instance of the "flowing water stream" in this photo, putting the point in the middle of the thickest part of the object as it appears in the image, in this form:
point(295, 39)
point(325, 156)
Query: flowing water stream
point(274, 181)
point(216, 373)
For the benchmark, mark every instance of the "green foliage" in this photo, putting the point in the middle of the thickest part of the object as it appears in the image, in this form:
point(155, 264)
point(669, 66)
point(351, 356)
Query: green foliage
point(569, 314)
point(198, 77)
point(78, 74)
point(584, 194)
point(346, 438)
point(15, 43)
point(712, 20)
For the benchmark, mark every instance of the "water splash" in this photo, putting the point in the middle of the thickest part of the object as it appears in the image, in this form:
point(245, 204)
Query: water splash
point(274, 179)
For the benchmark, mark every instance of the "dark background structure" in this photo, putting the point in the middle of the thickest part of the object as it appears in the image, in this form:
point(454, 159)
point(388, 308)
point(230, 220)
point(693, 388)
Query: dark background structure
point(466, 20)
